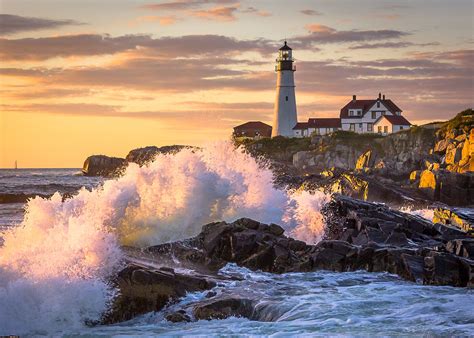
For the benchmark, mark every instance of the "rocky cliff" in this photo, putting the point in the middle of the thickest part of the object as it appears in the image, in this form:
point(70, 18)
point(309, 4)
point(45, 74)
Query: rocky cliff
point(433, 162)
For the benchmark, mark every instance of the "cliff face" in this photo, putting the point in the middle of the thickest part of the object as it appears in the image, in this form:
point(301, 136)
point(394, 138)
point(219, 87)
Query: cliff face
point(395, 155)
point(433, 162)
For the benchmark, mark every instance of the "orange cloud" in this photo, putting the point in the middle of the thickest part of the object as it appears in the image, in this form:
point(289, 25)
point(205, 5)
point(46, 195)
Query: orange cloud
point(165, 20)
point(217, 13)
point(317, 28)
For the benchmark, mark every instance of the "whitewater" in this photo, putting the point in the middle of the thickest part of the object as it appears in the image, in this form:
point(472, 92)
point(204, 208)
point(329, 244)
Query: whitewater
point(54, 266)
point(56, 263)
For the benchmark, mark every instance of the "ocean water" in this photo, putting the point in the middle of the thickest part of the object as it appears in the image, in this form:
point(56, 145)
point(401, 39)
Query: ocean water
point(57, 253)
point(17, 185)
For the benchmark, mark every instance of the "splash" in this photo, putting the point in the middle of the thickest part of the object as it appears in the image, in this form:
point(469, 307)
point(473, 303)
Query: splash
point(54, 266)
point(425, 213)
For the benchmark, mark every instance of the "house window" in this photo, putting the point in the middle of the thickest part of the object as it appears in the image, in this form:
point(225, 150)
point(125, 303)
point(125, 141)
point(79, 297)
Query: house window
point(370, 126)
point(374, 115)
point(385, 129)
point(360, 125)
point(379, 129)
point(286, 98)
point(378, 104)
point(352, 127)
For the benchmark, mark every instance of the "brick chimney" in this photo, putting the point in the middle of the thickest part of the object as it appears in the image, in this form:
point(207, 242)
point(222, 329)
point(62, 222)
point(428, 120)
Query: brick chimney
point(383, 97)
point(380, 96)
point(354, 97)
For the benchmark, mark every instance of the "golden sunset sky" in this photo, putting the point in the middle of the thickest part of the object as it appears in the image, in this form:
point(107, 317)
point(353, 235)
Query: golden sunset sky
point(103, 77)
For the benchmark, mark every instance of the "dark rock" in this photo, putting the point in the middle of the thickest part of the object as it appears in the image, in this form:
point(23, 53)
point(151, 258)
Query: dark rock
point(146, 155)
point(275, 229)
point(360, 235)
point(145, 290)
point(178, 316)
point(224, 307)
point(101, 165)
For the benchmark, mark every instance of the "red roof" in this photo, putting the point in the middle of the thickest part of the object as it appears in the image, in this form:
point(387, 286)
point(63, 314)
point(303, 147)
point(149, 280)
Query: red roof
point(301, 125)
point(365, 105)
point(396, 120)
point(253, 128)
point(253, 125)
point(324, 123)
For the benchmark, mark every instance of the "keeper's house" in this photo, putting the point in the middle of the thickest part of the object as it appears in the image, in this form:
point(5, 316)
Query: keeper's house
point(361, 116)
point(380, 116)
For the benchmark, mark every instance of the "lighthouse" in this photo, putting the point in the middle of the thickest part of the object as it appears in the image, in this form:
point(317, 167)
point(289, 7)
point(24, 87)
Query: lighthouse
point(284, 113)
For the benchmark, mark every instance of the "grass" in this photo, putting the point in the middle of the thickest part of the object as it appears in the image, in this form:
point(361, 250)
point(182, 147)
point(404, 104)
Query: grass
point(464, 120)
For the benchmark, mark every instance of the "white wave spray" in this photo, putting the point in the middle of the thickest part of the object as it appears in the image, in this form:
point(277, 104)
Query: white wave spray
point(53, 266)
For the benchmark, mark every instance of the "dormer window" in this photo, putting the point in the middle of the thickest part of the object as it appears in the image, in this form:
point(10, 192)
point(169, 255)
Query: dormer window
point(378, 104)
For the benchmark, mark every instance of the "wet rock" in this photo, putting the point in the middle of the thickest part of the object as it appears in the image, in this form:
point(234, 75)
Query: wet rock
point(178, 316)
point(144, 290)
point(224, 307)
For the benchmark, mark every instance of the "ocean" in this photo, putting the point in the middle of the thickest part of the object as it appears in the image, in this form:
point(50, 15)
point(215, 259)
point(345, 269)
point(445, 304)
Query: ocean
point(56, 256)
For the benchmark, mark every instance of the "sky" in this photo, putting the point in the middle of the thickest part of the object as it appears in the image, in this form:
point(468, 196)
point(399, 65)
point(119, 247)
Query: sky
point(103, 77)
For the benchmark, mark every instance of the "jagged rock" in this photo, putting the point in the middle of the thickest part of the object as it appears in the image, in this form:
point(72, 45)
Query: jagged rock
point(462, 218)
point(359, 235)
point(448, 187)
point(364, 161)
point(101, 165)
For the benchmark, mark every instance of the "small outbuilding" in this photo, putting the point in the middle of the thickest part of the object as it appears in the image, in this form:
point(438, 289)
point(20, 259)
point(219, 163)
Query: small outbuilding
point(387, 124)
point(253, 129)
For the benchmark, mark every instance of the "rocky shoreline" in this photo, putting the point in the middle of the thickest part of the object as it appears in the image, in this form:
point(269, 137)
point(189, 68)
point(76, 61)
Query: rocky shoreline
point(359, 236)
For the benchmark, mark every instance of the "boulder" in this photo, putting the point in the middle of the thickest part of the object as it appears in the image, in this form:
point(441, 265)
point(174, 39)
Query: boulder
point(101, 165)
point(224, 307)
point(144, 290)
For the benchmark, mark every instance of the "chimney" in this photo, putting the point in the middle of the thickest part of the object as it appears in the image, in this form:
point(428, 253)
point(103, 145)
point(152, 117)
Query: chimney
point(380, 96)
point(383, 97)
point(354, 97)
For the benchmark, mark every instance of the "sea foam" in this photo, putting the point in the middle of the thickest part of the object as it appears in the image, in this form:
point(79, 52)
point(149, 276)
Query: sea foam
point(55, 264)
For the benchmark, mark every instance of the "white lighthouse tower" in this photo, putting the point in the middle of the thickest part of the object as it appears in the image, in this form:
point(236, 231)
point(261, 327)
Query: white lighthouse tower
point(284, 114)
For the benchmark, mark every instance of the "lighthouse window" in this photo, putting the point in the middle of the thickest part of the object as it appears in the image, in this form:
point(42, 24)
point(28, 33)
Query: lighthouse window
point(286, 98)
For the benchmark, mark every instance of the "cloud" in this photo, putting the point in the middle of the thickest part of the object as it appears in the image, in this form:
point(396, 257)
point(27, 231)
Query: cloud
point(321, 29)
point(11, 24)
point(310, 12)
point(256, 11)
point(163, 20)
point(321, 34)
point(183, 4)
point(93, 44)
point(400, 44)
point(217, 13)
